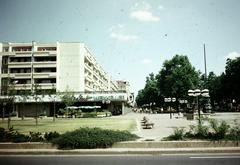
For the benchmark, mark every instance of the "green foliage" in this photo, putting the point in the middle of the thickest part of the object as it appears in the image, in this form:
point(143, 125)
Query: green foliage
point(200, 131)
point(234, 132)
point(226, 87)
point(16, 137)
point(12, 136)
point(68, 98)
point(92, 138)
point(90, 115)
point(36, 137)
point(150, 93)
point(177, 77)
point(178, 134)
point(220, 130)
point(50, 136)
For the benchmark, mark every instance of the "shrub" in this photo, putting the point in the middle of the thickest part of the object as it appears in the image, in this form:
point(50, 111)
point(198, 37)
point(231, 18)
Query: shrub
point(17, 137)
point(234, 133)
point(36, 137)
point(92, 138)
point(178, 134)
point(220, 130)
point(50, 136)
point(89, 115)
point(2, 135)
point(200, 131)
point(12, 136)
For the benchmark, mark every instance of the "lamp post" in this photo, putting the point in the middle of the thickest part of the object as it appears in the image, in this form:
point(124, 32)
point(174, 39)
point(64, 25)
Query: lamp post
point(168, 100)
point(151, 105)
point(196, 93)
point(183, 102)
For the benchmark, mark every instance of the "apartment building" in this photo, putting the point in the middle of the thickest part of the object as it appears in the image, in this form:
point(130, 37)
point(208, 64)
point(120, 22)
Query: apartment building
point(64, 66)
point(47, 66)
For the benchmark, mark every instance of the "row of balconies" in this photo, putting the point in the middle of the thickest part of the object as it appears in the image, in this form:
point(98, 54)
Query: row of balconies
point(29, 86)
point(28, 75)
point(30, 54)
point(35, 64)
point(28, 48)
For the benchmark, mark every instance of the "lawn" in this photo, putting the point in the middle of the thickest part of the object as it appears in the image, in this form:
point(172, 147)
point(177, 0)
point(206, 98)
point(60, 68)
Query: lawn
point(62, 125)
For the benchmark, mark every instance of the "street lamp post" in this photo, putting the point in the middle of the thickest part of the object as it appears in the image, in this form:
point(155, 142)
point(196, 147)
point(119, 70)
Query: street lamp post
point(151, 105)
point(196, 93)
point(183, 102)
point(168, 100)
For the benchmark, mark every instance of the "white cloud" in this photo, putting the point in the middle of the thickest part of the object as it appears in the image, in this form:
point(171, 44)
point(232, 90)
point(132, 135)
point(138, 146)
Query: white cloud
point(146, 61)
point(120, 33)
point(123, 37)
point(144, 16)
point(141, 6)
point(141, 12)
point(232, 55)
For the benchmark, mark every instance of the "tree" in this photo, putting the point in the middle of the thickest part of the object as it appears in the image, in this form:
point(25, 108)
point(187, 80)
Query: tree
point(37, 95)
point(177, 77)
point(11, 100)
point(150, 93)
point(68, 99)
point(24, 96)
point(53, 95)
point(232, 79)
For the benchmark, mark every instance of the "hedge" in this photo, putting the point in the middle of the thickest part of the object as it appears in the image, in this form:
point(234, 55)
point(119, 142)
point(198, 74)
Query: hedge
point(84, 138)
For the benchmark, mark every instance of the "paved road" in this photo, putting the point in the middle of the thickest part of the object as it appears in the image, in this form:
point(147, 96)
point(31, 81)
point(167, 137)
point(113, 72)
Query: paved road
point(122, 160)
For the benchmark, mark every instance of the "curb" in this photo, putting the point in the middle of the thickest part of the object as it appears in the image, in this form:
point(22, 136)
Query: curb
point(133, 144)
point(130, 151)
point(176, 144)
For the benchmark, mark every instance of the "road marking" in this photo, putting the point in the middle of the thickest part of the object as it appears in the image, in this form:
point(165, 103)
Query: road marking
point(216, 157)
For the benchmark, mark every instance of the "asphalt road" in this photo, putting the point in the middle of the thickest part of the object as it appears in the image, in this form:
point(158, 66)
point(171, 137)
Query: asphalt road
point(122, 160)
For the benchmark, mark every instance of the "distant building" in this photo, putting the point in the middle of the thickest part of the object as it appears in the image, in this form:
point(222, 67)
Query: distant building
point(57, 66)
point(124, 86)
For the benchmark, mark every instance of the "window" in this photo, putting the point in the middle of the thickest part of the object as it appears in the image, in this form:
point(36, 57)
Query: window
point(47, 48)
point(5, 60)
point(5, 49)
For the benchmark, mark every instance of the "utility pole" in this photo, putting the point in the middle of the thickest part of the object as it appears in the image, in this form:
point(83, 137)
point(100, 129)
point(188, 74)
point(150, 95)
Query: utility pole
point(205, 63)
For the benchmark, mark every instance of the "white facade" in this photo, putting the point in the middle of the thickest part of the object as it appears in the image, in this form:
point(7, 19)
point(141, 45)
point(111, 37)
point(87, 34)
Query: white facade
point(64, 66)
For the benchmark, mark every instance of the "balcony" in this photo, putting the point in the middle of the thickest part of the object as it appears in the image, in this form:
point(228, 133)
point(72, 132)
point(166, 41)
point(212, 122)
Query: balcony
point(45, 64)
point(22, 86)
point(45, 75)
point(88, 77)
point(19, 64)
point(88, 59)
point(46, 85)
point(45, 53)
point(21, 75)
point(88, 88)
point(22, 54)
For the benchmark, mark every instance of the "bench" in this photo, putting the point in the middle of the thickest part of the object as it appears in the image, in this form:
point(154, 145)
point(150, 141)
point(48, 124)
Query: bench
point(148, 125)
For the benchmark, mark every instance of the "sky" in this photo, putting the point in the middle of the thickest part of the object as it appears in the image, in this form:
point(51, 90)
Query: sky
point(130, 38)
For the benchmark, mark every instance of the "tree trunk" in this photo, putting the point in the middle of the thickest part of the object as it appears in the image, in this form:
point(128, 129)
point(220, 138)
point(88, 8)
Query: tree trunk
point(54, 111)
point(9, 121)
point(22, 112)
point(36, 115)
point(3, 113)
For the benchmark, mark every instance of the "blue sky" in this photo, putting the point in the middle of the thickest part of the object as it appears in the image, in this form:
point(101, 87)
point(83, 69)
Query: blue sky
point(130, 38)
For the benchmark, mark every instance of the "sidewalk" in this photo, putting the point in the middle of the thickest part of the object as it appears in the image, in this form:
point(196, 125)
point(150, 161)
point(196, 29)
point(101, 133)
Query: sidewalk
point(164, 126)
